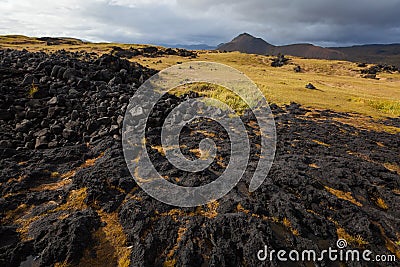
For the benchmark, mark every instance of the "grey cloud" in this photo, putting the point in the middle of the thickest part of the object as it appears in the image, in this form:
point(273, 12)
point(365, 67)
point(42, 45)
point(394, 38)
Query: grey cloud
point(334, 22)
point(339, 22)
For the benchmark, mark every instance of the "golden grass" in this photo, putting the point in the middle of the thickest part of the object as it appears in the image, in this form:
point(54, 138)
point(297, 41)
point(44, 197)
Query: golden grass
point(20, 42)
point(339, 83)
point(61, 264)
point(18, 179)
point(343, 195)
point(391, 245)
point(54, 174)
point(208, 210)
point(53, 186)
point(110, 248)
point(205, 133)
point(201, 154)
point(390, 107)
point(381, 203)
point(285, 221)
point(314, 166)
point(75, 201)
point(289, 226)
point(356, 240)
point(392, 167)
point(321, 143)
point(239, 208)
point(16, 213)
point(215, 92)
point(170, 261)
point(365, 123)
point(91, 162)
point(32, 90)
point(162, 149)
point(65, 177)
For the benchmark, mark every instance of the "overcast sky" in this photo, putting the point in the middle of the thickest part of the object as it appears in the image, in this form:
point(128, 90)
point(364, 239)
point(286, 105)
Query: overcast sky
point(327, 23)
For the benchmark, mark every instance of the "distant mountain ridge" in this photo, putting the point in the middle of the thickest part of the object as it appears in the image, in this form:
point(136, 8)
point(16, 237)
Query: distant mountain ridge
point(189, 47)
point(382, 54)
point(247, 43)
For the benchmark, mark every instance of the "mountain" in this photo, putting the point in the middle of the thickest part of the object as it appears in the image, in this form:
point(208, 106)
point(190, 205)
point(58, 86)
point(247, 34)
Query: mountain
point(382, 54)
point(309, 51)
point(247, 43)
point(189, 47)
point(375, 53)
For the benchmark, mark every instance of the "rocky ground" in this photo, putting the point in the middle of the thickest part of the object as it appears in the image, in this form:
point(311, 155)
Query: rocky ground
point(67, 197)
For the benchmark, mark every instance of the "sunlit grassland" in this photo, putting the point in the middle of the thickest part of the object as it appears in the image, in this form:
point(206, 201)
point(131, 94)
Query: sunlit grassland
point(215, 92)
point(31, 44)
point(339, 84)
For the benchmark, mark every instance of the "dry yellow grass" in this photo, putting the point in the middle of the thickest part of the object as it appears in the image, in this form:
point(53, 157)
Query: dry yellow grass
point(65, 177)
point(110, 248)
point(343, 195)
point(381, 203)
point(32, 90)
point(20, 42)
point(170, 261)
point(392, 167)
point(321, 143)
point(209, 210)
point(314, 166)
point(366, 123)
point(16, 213)
point(391, 245)
point(239, 208)
point(339, 83)
point(75, 201)
point(356, 240)
point(289, 226)
point(215, 92)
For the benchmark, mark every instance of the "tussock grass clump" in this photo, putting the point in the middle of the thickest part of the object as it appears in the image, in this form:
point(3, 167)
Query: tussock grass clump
point(343, 195)
point(385, 106)
point(381, 203)
point(392, 167)
point(32, 90)
point(357, 240)
point(215, 92)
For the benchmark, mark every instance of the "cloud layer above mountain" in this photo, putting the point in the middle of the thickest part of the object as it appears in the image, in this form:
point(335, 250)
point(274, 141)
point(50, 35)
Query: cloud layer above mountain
point(339, 22)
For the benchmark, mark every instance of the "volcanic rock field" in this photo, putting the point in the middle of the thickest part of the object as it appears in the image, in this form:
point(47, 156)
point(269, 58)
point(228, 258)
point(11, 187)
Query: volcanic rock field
point(68, 199)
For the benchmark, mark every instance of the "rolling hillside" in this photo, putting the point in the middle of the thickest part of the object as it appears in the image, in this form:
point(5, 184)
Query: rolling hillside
point(379, 54)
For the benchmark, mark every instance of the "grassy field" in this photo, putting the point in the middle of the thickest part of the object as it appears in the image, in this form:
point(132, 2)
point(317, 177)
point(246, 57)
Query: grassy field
point(339, 84)
point(70, 44)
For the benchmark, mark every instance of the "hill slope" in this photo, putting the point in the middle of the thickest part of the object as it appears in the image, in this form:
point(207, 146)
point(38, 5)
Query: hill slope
point(376, 53)
point(382, 54)
point(247, 43)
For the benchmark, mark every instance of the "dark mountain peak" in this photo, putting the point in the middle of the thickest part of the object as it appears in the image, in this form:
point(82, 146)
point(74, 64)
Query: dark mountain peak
point(247, 43)
point(246, 37)
point(245, 34)
point(372, 53)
